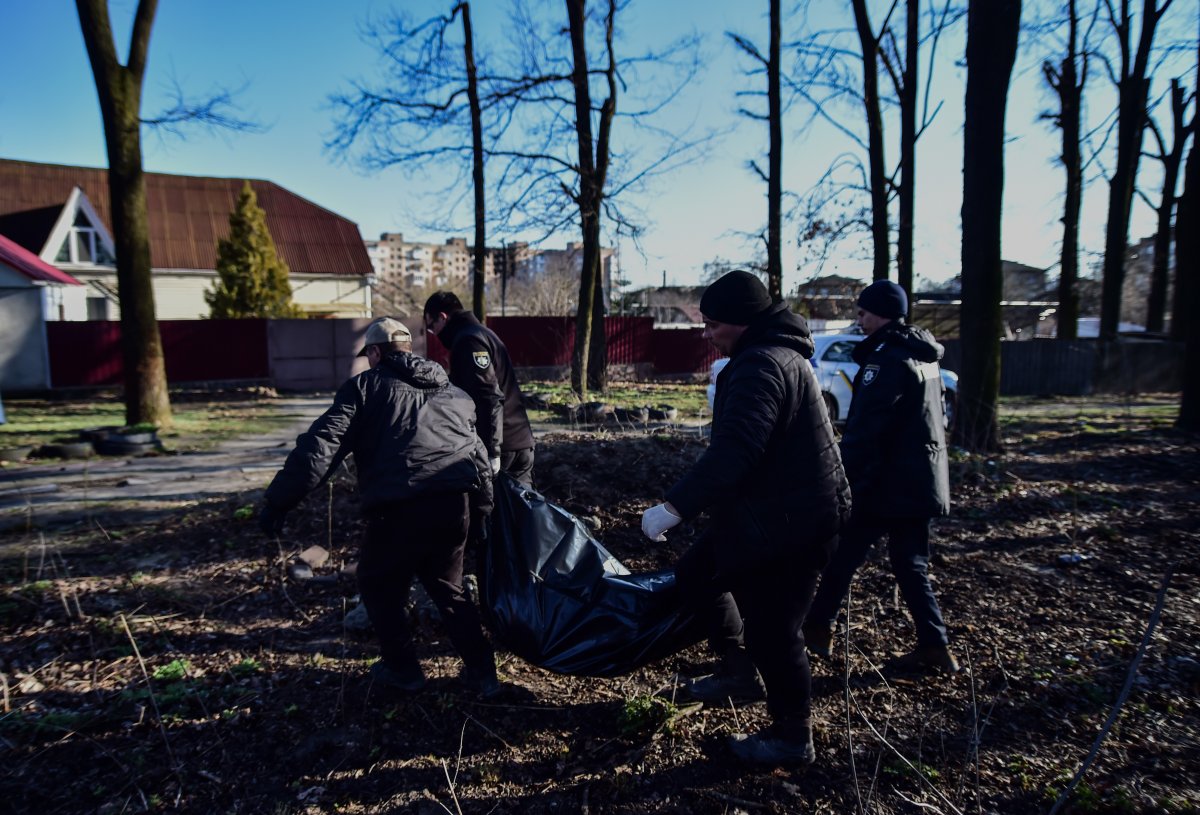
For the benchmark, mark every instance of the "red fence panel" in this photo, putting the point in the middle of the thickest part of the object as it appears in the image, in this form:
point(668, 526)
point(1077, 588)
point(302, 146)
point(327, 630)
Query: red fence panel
point(536, 342)
point(89, 353)
point(630, 340)
point(682, 351)
point(84, 353)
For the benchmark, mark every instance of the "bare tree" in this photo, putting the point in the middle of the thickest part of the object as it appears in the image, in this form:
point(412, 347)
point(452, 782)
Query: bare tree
point(773, 177)
point(827, 73)
point(877, 182)
point(422, 114)
point(551, 293)
point(1067, 80)
point(1172, 159)
point(566, 108)
point(992, 32)
point(119, 88)
point(1133, 88)
point(1184, 325)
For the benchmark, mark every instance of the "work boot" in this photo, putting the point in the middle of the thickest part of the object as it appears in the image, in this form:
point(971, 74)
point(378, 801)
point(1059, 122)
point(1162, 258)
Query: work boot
point(925, 658)
point(483, 684)
point(406, 676)
point(784, 743)
point(736, 681)
point(818, 639)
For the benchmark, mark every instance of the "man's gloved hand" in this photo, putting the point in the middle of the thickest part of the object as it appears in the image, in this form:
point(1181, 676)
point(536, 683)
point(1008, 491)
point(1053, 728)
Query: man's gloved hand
point(496, 465)
point(270, 520)
point(657, 520)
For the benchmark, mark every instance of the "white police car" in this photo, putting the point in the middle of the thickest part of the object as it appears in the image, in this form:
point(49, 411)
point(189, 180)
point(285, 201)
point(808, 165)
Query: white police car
point(835, 368)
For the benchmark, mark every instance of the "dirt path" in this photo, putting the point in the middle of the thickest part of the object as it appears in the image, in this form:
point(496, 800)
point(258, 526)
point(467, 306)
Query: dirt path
point(122, 490)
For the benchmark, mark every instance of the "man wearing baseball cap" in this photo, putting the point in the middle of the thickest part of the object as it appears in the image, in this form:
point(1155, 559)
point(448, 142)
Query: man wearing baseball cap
point(894, 449)
point(419, 463)
point(772, 483)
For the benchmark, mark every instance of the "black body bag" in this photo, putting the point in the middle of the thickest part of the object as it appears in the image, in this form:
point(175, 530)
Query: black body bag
point(557, 598)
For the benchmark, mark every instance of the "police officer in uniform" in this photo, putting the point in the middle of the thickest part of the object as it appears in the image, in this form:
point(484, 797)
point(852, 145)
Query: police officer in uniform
point(479, 364)
point(894, 451)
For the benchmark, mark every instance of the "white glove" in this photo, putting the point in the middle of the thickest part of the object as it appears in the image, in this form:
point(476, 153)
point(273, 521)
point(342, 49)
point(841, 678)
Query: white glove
point(657, 520)
point(495, 466)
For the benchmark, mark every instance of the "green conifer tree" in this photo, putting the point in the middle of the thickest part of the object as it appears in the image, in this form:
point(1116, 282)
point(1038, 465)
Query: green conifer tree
point(252, 278)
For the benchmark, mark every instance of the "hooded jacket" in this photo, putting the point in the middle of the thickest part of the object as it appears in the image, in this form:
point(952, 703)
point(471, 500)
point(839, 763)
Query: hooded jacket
point(771, 478)
point(411, 433)
point(894, 446)
point(479, 364)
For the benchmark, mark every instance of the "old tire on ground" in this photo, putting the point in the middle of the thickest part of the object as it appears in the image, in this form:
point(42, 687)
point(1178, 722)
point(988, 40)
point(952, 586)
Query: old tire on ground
point(115, 446)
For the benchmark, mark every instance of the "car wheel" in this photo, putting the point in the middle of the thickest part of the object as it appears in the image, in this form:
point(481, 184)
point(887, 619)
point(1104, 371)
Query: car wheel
point(831, 406)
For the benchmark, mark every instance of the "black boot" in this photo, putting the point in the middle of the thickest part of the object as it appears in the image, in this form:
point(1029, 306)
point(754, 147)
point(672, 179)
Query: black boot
point(784, 743)
point(403, 675)
point(736, 681)
point(926, 659)
point(818, 639)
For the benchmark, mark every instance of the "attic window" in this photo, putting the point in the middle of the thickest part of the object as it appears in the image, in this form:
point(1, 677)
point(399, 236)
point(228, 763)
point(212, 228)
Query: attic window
point(84, 245)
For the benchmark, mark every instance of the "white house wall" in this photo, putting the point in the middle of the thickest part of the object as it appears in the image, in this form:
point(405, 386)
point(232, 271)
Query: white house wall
point(68, 303)
point(24, 358)
point(179, 295)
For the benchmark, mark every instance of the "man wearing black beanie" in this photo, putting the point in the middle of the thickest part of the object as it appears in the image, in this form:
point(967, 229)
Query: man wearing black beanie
point(894, 449)
point(772, 483)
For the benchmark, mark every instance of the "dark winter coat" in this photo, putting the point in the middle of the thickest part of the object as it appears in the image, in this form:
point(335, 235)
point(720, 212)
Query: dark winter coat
point(894, 446)
point(479, 364)
point(410, 430)
point(771, 478)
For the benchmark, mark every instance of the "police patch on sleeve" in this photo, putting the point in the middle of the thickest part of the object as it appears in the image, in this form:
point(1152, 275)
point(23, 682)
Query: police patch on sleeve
point(482, 360)
point(869, 374)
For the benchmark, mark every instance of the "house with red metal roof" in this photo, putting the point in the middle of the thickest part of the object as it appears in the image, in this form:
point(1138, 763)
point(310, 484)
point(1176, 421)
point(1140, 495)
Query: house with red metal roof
point(32, 292)
point(60, 214)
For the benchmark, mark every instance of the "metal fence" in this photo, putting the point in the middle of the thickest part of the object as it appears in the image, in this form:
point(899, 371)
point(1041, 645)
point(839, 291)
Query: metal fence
point(320, 354)
point(1051, 367)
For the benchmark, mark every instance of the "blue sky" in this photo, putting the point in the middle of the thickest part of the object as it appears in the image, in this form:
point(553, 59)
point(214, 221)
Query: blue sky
point(291, 56)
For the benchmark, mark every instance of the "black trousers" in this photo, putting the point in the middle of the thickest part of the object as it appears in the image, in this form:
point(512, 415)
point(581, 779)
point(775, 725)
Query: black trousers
point(423, 537)
point(763, 610)
point(518, 464)
point(908, 550)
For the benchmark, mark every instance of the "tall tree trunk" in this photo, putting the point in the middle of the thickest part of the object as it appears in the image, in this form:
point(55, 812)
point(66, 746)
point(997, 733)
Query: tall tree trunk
point(908, 151)
point(1184, 325)
point(1068, 83)
point(1187, 288)
point(480, 257)
point(598, 353)
point(590, 362)
point(1133, 89)
point(992, 30)
point(877, 174)
point(119, 88)
point(1156, 305)
point(775, 162)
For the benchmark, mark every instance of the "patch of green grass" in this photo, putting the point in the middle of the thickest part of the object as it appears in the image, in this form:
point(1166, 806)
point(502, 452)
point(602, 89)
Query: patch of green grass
point(247, 667)
point(687, 398)
point(642, 714)
point(174, 671)
point(196, 425)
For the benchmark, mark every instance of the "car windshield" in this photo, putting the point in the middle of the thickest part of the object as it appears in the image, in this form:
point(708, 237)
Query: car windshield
point(840, 351)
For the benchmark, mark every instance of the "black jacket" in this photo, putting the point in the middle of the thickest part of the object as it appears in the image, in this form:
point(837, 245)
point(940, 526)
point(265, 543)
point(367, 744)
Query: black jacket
point(410, 430)
point(771, 477)
point(894, 447)
point(479, 364)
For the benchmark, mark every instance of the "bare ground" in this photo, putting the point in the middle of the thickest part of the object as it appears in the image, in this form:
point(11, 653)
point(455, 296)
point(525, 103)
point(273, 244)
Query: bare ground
point(172, 666)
